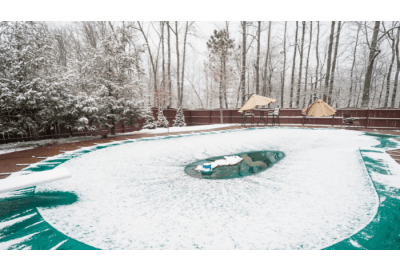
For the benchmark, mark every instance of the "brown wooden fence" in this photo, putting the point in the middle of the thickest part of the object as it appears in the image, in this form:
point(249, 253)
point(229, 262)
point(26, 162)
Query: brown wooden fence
point(369, 118)
point(372, 118)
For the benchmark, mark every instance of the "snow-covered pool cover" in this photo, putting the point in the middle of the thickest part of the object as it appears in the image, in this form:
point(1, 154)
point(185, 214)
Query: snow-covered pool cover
point(226, 161)
point(137, 195)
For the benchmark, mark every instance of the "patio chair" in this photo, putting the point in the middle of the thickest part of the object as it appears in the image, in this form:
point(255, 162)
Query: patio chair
point(275, 115)
point(350, 121)
point(246, 115)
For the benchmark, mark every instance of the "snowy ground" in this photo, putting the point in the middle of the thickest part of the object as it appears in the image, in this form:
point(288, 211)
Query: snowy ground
point(137, 196)
point(20, 146)
point(11, 149)
point(178, 129)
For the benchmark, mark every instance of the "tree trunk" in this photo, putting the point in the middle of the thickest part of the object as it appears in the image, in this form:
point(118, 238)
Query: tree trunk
point(113, 127)
point(224, 75)
point(178, 82)
point(183, 63)
point(169, 67)
point(301, 64)
point(304, 103)
point(220, 87)
point(244, 61)
point(396, 77)
point(352, 68)
point(163, 63)
point(334, 64)
point(383, 86)
point(386, 103)
point(328, 64)
point(264, 90)
point(293, 67)
point(258, 59)
point(284, 65)
point(357, 95)
point(317, 68)
point(368, 76)
point(152, 63)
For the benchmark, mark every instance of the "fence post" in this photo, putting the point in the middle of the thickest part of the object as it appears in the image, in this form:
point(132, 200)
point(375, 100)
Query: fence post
point(221, 116)
point(366, 121)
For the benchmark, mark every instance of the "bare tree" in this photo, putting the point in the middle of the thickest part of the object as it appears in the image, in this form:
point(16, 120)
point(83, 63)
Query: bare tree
point(293, 67)
point(301, 63)
point(352, 66)
point(163, 61)
point(308, 57)
point(317, 56)
point(258, 59)
point(396, 77)
point(392, 46)
point(266, 61)
point(328, 64)
point(183, 62)
point(330, 100)
point(178, 82)
point(153, 63)
point(169, 66)
point(243, 71)
point(372, 55)
point(284, 65)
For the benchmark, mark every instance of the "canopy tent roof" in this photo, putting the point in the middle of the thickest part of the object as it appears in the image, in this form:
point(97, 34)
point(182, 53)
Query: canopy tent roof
point(319, 108)
point(256, 100)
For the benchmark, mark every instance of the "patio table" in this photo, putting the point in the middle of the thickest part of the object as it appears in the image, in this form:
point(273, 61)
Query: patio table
point(262, 115)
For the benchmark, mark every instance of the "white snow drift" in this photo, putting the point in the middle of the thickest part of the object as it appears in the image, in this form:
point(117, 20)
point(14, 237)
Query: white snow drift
point(33, 179)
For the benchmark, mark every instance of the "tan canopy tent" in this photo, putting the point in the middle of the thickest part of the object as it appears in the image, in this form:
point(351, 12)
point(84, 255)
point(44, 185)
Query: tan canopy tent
point(318, 109)
point(256, 100)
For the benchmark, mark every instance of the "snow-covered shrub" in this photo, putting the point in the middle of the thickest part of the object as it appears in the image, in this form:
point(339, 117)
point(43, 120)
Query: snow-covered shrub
point(150, 122)
point(161, 119)
point(179, 119)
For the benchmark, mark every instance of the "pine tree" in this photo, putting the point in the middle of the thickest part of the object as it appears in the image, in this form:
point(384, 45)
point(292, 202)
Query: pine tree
point(150, 122)
point(161, 119)
point(221, 48)
point(111, 75)
point(25, 77)
point(179, 119)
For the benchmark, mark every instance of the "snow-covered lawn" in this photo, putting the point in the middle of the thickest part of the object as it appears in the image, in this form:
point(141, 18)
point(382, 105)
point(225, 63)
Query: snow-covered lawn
point(136, 195)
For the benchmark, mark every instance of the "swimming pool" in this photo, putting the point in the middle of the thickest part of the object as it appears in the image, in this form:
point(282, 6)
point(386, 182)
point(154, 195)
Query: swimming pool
point(136, 194)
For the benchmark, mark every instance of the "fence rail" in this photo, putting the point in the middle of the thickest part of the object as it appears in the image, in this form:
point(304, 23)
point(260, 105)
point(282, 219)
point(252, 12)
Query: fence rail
point(369, 118)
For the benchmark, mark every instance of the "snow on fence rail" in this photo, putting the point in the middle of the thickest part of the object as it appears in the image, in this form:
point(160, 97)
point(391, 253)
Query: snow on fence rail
point(369, 118)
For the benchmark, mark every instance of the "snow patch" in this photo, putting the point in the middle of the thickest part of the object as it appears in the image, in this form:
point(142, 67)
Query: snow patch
point(178, 129)
point(227, 161)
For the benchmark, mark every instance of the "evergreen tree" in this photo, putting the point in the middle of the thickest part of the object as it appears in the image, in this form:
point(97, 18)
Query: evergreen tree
point(150, 122)
point(78, 111)
point(179, 119)
point(25, 77)
point(161, 119)
point(220, 48)
point(109, 73)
